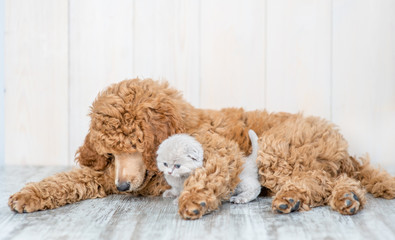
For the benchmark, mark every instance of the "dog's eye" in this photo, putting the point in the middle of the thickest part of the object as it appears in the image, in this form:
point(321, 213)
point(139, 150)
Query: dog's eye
point(165, 164)
point(109, 155)
point(177, 165)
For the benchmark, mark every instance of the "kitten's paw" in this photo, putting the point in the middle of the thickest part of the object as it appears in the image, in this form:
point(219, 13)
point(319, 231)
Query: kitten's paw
point(245, 197)
point(238, 199)
point(169, 194)
point(288, 202)
point(192, 206)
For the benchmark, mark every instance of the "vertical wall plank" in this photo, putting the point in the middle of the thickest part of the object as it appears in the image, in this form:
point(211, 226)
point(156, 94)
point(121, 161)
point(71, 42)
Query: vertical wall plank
point(2, 29)
point(166, 44)
point(233, 54)
point(101, 53)
point(299, 56)
point(252, 54)
point(36, 81)
point(364, 76)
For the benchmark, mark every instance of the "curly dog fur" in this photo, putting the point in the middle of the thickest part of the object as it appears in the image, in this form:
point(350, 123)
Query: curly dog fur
point(303, 161)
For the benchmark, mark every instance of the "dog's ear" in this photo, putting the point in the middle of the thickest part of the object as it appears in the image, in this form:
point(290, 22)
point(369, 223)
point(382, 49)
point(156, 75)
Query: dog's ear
point(87, 156)
point(162, 121)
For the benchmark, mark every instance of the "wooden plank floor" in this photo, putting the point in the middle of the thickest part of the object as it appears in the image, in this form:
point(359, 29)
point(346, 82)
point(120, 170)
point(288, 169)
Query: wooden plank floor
point(125, 217)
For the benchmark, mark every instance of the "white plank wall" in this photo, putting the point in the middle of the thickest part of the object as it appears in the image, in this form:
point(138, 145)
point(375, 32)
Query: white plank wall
point(330, 58)
point(101, 53)
point(36, 82)
point(166, 45)
point(364, 76)
point(233, 54)
point(299, 56)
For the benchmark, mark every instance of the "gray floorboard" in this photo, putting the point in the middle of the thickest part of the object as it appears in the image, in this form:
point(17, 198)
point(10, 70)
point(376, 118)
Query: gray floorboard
point(126, 217)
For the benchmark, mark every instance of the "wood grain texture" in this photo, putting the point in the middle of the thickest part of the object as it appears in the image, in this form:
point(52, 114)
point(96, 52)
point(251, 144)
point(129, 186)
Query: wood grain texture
point(101, 53)
point(233, 54)
point(364, 76)
point(299, 56)
point(36, 79)
point(166, 44)
point(126, 217)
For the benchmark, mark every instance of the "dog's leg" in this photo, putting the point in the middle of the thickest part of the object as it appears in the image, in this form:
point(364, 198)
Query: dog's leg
point(348, 196)
point(208, 186)
point(61, 189)
point(302, 192)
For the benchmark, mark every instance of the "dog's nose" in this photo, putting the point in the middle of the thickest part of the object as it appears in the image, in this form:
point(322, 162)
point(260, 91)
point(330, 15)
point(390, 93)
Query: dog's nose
point(123, 186)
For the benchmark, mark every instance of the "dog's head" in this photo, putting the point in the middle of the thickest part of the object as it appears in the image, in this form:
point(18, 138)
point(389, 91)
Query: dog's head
point(128, 122)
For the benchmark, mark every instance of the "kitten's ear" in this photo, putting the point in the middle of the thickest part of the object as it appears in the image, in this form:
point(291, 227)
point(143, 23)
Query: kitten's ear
point(191, 156)
point(195, 153)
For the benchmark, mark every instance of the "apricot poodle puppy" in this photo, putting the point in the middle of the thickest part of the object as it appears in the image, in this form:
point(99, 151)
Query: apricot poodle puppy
point(302, 161)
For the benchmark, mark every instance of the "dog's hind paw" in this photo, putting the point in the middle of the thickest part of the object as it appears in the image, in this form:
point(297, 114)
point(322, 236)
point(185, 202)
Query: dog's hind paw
point(347, 203)
point(288, 202)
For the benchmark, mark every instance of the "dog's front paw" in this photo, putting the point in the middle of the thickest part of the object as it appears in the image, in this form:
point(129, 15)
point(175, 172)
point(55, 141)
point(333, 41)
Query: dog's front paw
point(192, 206)
point(25, 201)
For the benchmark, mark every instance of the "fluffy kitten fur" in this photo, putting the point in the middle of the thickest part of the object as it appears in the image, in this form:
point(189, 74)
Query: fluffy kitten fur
point(249, 186)
point(178, 156)
point(181, 154)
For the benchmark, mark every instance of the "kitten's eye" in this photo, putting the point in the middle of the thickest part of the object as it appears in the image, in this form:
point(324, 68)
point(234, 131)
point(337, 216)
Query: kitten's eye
point(165, 164)
point(177, 165)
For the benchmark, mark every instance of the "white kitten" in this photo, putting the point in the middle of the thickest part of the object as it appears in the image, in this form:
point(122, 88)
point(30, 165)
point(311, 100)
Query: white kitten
point(249, 186)
point(178, 156)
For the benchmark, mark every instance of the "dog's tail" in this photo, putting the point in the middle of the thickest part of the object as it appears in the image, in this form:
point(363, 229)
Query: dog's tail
point(377, 182)
point(254, 142)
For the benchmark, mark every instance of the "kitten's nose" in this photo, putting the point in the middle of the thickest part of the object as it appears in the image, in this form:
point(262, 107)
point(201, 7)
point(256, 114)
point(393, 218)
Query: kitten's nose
point(170, 172)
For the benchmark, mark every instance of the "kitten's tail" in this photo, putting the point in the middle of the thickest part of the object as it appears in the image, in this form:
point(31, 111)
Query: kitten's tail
point(254, 142)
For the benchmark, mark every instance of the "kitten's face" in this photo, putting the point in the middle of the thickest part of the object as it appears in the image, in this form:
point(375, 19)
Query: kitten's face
point(179, 155)
point(177, 166)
